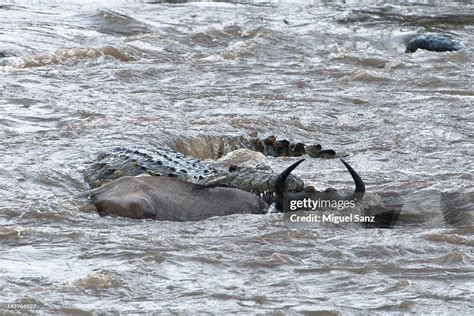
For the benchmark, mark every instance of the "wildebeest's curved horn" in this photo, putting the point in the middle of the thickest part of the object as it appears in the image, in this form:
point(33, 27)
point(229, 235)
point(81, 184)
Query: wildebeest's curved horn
point(281, 180)
point(360, 186)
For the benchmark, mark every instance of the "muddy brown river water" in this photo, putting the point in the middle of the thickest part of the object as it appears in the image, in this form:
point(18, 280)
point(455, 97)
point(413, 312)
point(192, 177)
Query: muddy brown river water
point(81, 76)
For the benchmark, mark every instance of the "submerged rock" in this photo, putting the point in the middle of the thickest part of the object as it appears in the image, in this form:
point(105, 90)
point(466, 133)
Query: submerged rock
point(271, 146)
point(434, 43)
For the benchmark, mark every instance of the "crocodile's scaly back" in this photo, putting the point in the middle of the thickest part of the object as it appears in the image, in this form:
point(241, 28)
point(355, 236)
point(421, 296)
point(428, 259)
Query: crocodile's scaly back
point(133, 161)
point(121, 161)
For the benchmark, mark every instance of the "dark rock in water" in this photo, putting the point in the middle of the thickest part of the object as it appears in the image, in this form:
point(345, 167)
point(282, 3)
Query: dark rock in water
point(271, 146)
point(280, 148)
point(2, 55)
point(434, 43)
point(297, 149)
point(270, 140)
point(283, 144)
point(257, 145)
point(316, 151)
point(327, 153)
point(313, 150)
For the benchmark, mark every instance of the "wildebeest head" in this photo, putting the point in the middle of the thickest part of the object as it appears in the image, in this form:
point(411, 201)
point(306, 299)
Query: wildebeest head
point(280, 188)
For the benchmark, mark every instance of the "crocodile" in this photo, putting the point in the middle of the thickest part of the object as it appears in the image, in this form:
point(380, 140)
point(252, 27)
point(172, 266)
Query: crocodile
point(163, 184)
point(120, 161)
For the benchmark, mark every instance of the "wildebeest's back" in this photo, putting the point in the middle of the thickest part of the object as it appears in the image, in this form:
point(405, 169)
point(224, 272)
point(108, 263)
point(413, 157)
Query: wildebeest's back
point(165, 198)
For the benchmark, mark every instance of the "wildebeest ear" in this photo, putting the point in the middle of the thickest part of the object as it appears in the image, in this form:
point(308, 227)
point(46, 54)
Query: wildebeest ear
point(280, 184)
